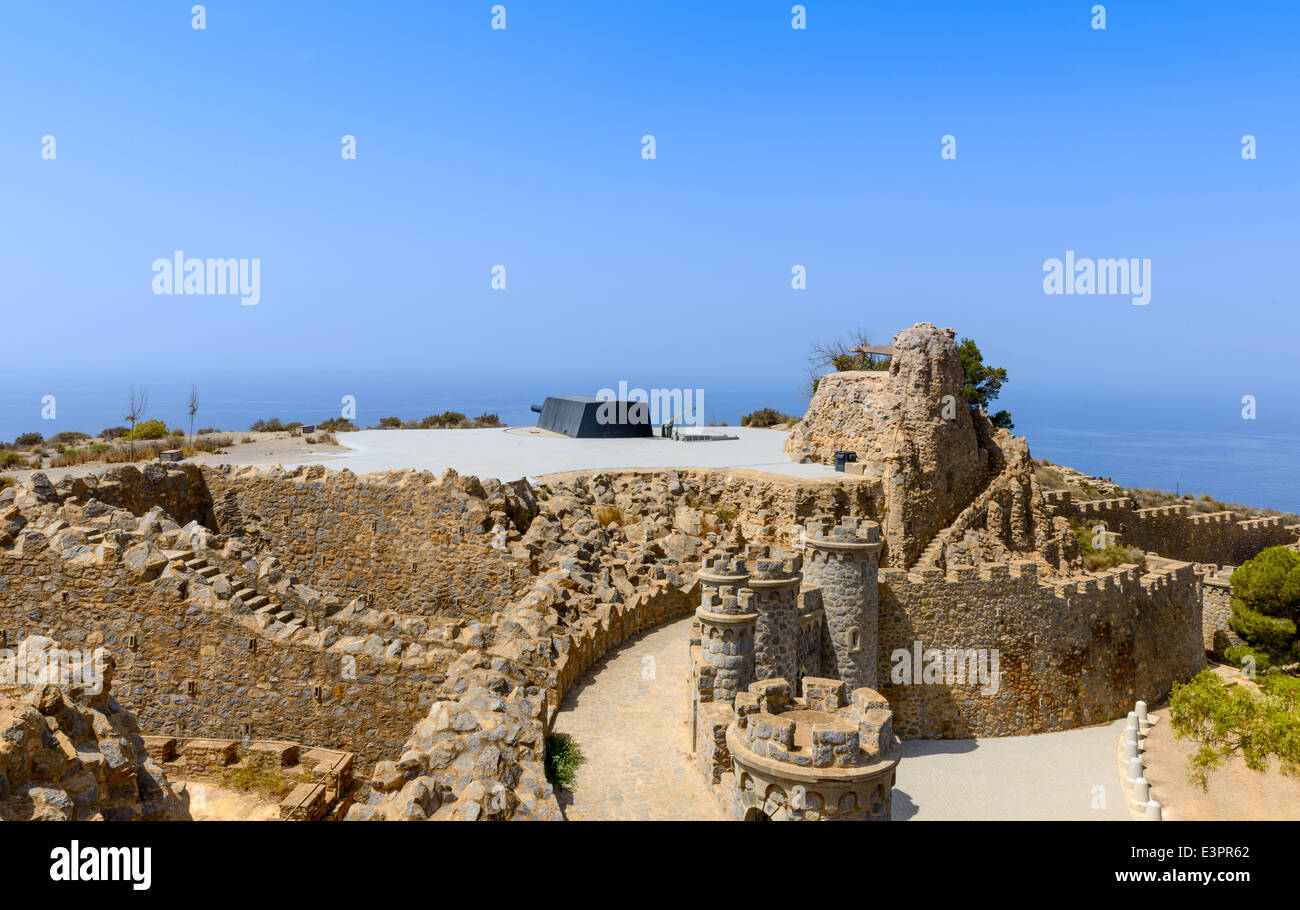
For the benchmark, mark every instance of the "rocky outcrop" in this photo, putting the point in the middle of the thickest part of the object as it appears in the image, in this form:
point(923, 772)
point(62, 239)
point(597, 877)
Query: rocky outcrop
point(911, 428)
point(68, 750)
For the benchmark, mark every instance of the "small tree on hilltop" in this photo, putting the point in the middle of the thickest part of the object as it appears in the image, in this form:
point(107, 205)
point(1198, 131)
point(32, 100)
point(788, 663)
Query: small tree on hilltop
point(838, 356)
point(983, 383)
point(137, 403)
point(193, 409)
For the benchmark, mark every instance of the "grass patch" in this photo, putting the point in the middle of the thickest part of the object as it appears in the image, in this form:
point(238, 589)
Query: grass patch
point(1103, 559)
point(263, 775)
point(562, 760)
point(609, 515)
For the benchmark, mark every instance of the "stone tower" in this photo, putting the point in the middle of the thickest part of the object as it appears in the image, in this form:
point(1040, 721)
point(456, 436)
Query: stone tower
point(775, 588)
point(727, 626)
point(843, 562)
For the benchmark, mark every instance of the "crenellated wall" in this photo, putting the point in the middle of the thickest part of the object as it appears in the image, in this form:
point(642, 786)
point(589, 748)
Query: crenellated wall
point(1069, 653)
point(1215, 537)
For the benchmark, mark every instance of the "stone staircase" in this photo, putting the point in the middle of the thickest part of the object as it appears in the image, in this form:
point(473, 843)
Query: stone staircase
point(933, 554)
point(239, 587)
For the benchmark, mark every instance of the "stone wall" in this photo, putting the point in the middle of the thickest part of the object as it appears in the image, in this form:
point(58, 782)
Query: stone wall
point(1216, 538)
point(68, 750)
point(177, 489)
point(405, 540)
point(1070, 652)
point(184, 669)
point(696, 501)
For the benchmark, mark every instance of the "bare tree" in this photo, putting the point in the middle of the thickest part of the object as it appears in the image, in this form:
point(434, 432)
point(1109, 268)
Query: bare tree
point(837, 356)
point(135, 408)
point(194, 409)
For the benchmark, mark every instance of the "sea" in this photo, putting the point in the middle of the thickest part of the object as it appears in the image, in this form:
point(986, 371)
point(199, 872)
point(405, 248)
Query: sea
point(1180, 441)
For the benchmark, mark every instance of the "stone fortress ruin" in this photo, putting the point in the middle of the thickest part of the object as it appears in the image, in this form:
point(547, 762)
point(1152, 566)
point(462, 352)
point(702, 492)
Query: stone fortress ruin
point(410, 637)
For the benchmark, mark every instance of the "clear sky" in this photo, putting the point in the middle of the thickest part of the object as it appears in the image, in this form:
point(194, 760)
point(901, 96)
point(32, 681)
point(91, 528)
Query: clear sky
point(775, 147)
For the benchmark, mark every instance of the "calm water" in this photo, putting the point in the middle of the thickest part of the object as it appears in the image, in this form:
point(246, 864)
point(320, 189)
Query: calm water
point(1258, 470)
point(1254, 463)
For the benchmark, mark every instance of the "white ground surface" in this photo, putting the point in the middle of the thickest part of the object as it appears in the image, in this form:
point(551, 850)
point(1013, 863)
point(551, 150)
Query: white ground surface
point(509, 456)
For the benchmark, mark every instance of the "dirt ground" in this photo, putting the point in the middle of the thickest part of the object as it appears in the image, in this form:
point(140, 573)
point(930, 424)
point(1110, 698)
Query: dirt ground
point(263, 450)
point(1236, 792)
point(211, 803)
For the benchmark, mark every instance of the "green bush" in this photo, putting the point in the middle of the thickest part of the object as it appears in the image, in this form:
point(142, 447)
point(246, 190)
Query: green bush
point(562, 760)
point(148, 429)
point(67, 437)
point(337, 425)
point(1266, 609)
point(267, 426)
point(27, 440)
point(390, 423)
point(13, 461)
point(111, 433)
point(1111, 557)
point(766, 417)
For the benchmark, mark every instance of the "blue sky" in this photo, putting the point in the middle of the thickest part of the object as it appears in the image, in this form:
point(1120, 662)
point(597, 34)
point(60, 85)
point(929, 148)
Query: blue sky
point(775, 147)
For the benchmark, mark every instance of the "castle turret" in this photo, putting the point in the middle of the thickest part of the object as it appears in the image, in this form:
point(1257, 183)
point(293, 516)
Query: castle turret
point(727, 625)
point(842, 562)
point(775, 587)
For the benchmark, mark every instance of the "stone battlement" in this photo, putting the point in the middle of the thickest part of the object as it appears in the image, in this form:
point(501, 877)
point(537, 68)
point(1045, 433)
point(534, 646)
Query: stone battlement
point(850, 531)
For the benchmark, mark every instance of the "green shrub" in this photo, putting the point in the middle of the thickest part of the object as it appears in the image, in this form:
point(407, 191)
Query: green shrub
point(148, 429)
point(337, 425)
point(766, 417)
point(67, 437)
point(1110, 557)
point(111, 433)
point(7, 482)
point(27, 440)
point(562, 760)
point(1266, 609)
point(267, 426)
point(12, 461)
point(390, 423)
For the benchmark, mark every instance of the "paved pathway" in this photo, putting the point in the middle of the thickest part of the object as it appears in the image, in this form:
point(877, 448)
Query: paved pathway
point(633, 732)
point(1012, 778)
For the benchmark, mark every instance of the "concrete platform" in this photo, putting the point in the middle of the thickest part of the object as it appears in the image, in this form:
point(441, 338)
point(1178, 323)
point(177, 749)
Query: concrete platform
point(510, 455)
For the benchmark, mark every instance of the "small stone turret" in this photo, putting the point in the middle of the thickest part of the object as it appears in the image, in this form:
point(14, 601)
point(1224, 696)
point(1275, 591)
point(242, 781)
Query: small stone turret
point(830, 754)
point(775, 587)
point(727, 625)
point(842, 562)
